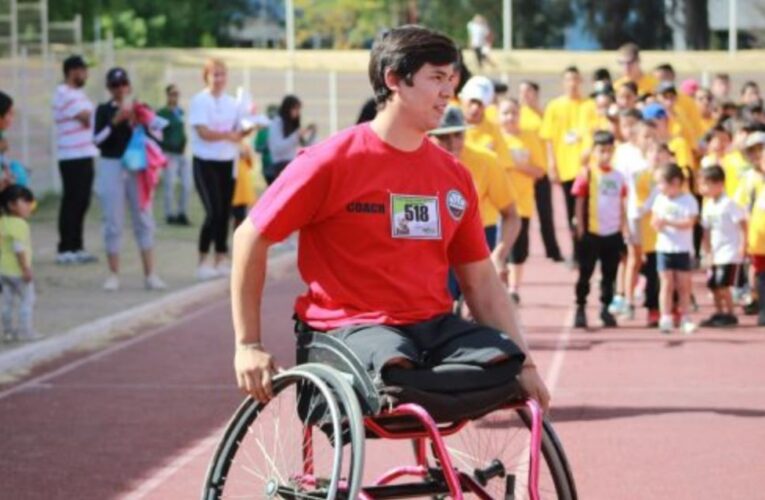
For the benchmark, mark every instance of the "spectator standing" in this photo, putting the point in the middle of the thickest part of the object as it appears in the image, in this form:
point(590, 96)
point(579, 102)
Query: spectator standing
point(174, 145)
point(16, 263)
point(286, 137)
point(629, 60)
point(530, 121)
point(76, 152)
point(480, 38)
point(117, 186)
point(214, 117)
point(720, 87)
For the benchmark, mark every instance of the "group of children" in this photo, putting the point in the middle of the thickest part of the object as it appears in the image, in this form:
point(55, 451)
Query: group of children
point(636, 195)
point(16, 279)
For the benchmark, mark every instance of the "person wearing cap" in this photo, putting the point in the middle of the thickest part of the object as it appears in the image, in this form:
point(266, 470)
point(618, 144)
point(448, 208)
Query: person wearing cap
point(476, 96)
point(680, 148)
point(495, 196)
point(76, 153)
point(174, 145)
point(117, 186)
point(214, 117)
point(752, 194)
point(629, 61)
point(522, 177)
point(562, 130)
point(530, 121)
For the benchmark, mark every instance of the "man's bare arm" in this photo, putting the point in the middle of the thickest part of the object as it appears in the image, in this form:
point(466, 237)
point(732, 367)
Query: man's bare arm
point(254, 366)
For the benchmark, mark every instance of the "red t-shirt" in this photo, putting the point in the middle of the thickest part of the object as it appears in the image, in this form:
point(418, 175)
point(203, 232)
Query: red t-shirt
point(379, 228)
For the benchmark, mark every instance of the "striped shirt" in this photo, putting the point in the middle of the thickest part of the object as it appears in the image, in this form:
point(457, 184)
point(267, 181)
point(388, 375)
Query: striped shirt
point(73, 139)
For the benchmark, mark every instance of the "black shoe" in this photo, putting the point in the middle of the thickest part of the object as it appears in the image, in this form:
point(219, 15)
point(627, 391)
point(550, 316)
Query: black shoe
point(728, 320)
point(557, 258)
point(182, 220)
point(752, 308)
point(608, 319)
point(712, 321)
point(580, 319)
point(171, 220)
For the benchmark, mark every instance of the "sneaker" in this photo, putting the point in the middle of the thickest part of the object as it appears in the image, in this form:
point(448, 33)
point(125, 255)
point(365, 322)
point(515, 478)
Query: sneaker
point(617, 305)
point(66, 258)
point(752, 308)
point(628, 312)
point(154, 282)
point(580, 319)
point(713, 321)
point(171, 220)
point(608, 319)
point(557, 258)
point(653, 318)
point(112, 283)
point(182, 220)
point(728, 320)
point(223, 269)
point(84, 257)
point(687, 326)
point(666, 324)
point(206, 273)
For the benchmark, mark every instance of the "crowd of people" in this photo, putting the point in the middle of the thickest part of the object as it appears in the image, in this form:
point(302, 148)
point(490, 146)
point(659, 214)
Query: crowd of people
point(660, 178)
point(120, 150)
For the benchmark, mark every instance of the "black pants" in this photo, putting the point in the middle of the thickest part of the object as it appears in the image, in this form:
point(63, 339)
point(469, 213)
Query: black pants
point(591, 249)
point(570, 211)
point(77, 183)
point(520, 251)
point(651, 281)
point(543, 198)
point(214, 181)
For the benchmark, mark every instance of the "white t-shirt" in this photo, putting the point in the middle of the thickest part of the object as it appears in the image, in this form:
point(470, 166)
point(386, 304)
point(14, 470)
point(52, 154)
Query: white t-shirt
point(219, 114)
point(478, 33)
point(73, 139)
point(723, 219)
point(629, 160)
point(672, 239)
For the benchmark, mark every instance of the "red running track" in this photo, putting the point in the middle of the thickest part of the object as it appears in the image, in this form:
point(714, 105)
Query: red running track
point(641, 415)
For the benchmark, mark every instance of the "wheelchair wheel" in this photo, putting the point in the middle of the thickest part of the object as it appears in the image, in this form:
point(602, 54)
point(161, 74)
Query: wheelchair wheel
point(494, 450)
point(288, 448)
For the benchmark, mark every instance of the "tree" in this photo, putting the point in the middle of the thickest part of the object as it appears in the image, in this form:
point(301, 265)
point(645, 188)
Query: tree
point(615, 22)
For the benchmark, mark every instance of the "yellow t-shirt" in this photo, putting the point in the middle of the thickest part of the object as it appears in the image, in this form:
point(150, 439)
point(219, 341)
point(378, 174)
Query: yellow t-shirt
point(706, 124)
point(523, 184)
point(14, 237)
point(530, 122)
point(691, 115)
point(492, 113)
point(756, 236)
point(736, 168)
point(645, 182)
point(562, 125)
point(682, 151)
point(491, 182)
point(488, 135)
point(646, 84)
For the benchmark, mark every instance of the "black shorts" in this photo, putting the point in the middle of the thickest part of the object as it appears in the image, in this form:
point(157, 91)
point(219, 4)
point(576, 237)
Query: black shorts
point(443, 340)
point(722, 276)
point(520, 251)
point(676, 261)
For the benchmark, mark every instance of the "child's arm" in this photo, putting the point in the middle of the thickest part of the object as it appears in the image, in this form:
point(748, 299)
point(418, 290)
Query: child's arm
point(682, 223)
point(579, 217)
point(706, 242)
point(26, 269)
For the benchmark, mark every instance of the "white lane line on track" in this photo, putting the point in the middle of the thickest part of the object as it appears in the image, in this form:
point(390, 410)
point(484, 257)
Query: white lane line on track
point(158, 476)
point(36, 381)
point(553, 371)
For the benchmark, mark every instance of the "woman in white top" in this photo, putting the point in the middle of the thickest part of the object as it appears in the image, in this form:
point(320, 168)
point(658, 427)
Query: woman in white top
point(285, 137)
point(215, 136)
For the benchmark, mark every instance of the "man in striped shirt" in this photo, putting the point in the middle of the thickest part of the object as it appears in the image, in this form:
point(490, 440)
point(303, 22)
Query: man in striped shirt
point(73, 114)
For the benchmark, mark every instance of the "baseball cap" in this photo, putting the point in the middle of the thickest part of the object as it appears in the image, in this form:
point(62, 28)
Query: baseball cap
point(689, 86)
point(116, 76)
point(478, 88)
point(754, 139)
point(452, 121)
point(654, 111)
point(72, 62)
point(666, 86)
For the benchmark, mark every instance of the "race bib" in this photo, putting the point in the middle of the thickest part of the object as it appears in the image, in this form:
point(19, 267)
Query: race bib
point(571, 137)
point(415, 217)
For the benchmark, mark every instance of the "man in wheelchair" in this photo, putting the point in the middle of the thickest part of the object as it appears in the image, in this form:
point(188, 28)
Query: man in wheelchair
point(383, 213)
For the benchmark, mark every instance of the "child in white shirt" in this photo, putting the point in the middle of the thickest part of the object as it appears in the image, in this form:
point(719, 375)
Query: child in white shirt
point(674, 214)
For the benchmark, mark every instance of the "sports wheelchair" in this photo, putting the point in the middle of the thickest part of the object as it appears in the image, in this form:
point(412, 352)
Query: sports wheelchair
point(476, 441)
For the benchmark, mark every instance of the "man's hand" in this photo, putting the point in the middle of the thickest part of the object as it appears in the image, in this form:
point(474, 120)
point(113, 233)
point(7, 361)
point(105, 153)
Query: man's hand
point(534, 386)
point(254, 370)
